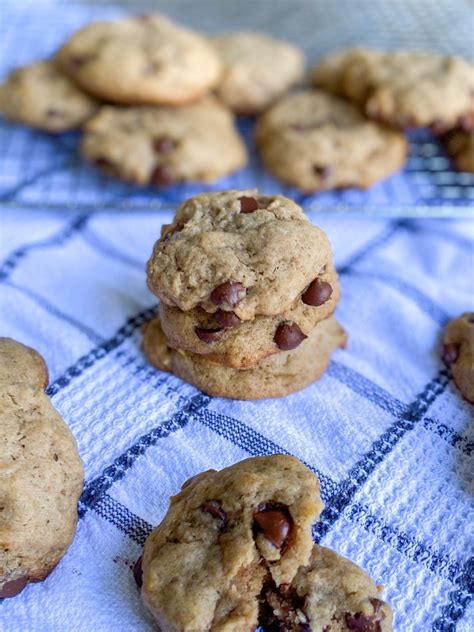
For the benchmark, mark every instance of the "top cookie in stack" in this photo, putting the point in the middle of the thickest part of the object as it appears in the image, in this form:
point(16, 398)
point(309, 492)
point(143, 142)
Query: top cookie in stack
point(247, 288)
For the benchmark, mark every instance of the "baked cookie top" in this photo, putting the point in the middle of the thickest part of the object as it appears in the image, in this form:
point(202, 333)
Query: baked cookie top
point(256, 70)
point(403, 88)
point(141, 60)
point(328, 594)
point(314, 140)
point(40, 473)
point(222, 533)
point(237, 251)
point(277, 375)
point(224, 338)
point(458, 352)
point(42, 96)
point(162, 145)
point(459, 146)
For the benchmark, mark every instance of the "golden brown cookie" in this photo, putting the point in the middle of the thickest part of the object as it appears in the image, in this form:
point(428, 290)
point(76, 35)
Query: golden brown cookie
point(458, 352)
point(40, 473)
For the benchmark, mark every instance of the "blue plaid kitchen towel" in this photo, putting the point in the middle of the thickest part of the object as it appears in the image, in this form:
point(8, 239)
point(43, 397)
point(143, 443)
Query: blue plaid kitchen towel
point(385, 429)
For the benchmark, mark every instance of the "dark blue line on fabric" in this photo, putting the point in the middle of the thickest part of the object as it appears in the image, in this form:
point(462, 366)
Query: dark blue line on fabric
point(65, 233)
point(424, 302)
point(56, 313)
point(381, 448)
point(99, 244)
point(420, 553)
point(117, 470)
point(255, 443)
point(11, 194)
point(459, 600)
point(99, 352)
point(427, 228)
point(121, 517)
point(366, 388)
point(453, 438)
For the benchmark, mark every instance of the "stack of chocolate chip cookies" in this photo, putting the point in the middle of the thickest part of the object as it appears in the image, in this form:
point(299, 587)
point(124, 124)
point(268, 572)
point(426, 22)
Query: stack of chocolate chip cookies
point(247, 289)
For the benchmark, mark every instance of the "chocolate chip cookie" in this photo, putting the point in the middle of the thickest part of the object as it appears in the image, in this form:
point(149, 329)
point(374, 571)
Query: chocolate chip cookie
point(404, 88)
point(459, 146)
point(223, 534)
point(302, 360)
point(41, 96)
point(257, 70)
point(162, 145)
point(237, 251)
point(328, 594)
point(141, 60)
point(224, 338)
point(40, 473)
point(313, 140)
point(458, 352)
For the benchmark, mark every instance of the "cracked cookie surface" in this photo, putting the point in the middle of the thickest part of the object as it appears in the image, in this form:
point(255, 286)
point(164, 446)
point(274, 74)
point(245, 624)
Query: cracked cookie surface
point(141, 60)
point(275, 376)
point(402, 88)
point(256, 70)
point(40, 473)
point(162, 145)
point(42, 96)
point(237, 251)
point(222, 533)
point(315, 141)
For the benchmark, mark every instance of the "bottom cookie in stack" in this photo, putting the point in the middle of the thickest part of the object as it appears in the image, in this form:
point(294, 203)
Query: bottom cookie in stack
point(274, 376)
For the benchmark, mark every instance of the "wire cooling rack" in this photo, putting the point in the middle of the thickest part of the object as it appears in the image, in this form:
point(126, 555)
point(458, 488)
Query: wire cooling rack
point(42, 170)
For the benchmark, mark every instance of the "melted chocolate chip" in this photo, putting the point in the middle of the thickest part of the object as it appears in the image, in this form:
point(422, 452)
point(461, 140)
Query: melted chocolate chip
point(163, 144)
point(450, 354)
point(161, 176)
point(54, 113)
point(362, 623)
point(230, 292)
point(288, 336)
point(248, 204)
point(323, 171)
point(317, 293)
point(138, 572)
point(208, 335)
point(227, 319)
point(274, 522)
point(213, 507)
point(13, 588)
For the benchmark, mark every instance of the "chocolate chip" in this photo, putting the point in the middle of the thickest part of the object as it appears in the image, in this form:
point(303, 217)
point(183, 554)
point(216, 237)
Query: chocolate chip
point(104, 165)
point(248, 204)
point(138, 572)
point(227, 319)
point(213, 507)
point(466, 122)
point(437, 127)
point(77, 61)
point(288, 336)
point(208, 335)
point(54, 113)
point(323, 171)
point(274, 522)
point(450, 354)
point(362, 623)
point(317, 293)
point(377, 605)
point(163, 144)
point(13, 588)
point(230, 292)
point(161, 176)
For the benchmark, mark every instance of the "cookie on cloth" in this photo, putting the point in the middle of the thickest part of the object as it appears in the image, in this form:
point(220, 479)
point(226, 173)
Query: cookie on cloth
point(237, 251)
point(459, 146)
point(222, 337)
point(141, 60)
point(224, 533)
point(315, 141)
point(275, 376)
point(458, 352)
point(40, 473)
point(328, 594)
point(163, 145)
point(256, 70)
point(403, 88)
point(42, 96)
